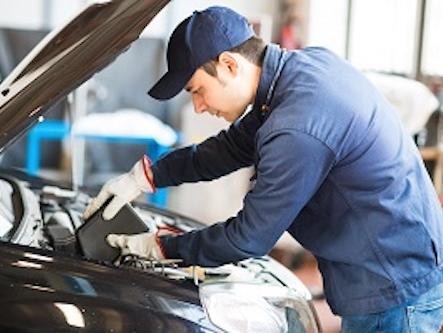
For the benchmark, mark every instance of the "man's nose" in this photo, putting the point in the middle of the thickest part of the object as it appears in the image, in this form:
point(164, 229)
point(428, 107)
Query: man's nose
point(199, 105)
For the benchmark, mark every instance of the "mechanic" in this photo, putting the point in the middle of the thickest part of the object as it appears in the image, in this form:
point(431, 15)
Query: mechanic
point(334, 167)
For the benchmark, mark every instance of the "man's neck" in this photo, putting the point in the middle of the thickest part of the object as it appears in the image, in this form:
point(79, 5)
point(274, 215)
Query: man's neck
point(255, 80)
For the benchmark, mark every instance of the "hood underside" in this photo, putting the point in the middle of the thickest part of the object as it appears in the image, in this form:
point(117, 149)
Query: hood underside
point(67, 57)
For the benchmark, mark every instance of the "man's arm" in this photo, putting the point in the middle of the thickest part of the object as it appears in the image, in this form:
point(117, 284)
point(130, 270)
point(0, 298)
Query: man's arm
point(292, 167)
point(215, 157)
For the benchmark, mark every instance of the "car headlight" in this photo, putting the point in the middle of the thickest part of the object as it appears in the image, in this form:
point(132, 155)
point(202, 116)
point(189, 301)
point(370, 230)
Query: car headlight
point(248, 307)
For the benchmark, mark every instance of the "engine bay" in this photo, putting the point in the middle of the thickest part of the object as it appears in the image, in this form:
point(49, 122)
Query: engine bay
point(47, 217)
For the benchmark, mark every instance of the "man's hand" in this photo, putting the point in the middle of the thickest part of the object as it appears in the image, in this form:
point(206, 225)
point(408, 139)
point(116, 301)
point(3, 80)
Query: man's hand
point(144, 245)
point(124, 188)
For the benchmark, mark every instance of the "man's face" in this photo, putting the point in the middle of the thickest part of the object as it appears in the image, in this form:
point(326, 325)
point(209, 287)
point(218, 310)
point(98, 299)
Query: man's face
point(222, 96)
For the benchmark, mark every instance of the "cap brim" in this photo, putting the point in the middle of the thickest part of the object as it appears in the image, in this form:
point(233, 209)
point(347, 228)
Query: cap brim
point(169, 85)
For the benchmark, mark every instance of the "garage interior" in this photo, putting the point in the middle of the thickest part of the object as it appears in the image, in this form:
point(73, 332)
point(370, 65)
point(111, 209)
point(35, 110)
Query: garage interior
point(397, 43)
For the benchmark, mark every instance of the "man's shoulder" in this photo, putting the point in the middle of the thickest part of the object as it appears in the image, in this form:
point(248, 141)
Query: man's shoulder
point(286, 120)
point(316, 56)
point(319, 116)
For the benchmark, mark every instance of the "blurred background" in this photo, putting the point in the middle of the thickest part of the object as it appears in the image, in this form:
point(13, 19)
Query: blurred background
point(397, 43)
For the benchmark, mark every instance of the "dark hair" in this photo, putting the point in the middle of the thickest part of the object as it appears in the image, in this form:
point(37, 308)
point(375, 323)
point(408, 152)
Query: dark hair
point(253, 50)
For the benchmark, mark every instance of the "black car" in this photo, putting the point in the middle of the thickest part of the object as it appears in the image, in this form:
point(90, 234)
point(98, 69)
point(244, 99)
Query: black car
point(46, 282)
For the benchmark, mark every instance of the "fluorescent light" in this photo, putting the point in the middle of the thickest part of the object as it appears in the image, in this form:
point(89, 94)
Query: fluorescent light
point(27, 264)
point(38, 257)
point(72, 314)
point(39, 288)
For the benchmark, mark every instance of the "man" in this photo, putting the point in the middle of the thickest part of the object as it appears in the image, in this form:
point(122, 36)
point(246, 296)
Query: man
point(334, 168)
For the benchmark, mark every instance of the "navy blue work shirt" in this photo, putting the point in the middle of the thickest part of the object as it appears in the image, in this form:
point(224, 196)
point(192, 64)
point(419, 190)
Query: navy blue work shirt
point(334, 168)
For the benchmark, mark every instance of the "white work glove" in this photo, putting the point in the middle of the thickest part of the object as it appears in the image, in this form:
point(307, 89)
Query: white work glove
point(125, 188)
point(144, 245)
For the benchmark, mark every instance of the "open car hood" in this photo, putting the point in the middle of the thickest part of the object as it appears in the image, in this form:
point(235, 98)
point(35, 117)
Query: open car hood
point(67, 57)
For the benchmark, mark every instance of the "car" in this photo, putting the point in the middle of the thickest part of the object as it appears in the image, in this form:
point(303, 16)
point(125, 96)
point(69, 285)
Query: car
point(48, 284)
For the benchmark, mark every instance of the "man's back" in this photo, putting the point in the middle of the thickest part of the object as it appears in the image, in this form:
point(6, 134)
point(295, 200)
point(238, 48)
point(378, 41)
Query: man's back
point(373, 197)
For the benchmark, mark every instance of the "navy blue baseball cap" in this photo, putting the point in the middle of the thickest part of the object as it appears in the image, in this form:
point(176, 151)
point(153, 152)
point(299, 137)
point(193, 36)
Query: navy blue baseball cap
point(196, 40)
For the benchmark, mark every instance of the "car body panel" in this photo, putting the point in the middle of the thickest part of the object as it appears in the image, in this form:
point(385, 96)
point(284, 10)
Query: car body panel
point(53, 293)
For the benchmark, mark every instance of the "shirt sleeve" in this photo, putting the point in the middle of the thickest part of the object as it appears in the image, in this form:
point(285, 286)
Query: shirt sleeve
point(292, 166)
point(215, 157)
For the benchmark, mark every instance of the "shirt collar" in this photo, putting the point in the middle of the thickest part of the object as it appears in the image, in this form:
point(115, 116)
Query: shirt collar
point(270, 71)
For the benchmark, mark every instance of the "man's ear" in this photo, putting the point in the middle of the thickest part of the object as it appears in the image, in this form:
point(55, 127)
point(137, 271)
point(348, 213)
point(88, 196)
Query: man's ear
point(229, 62)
